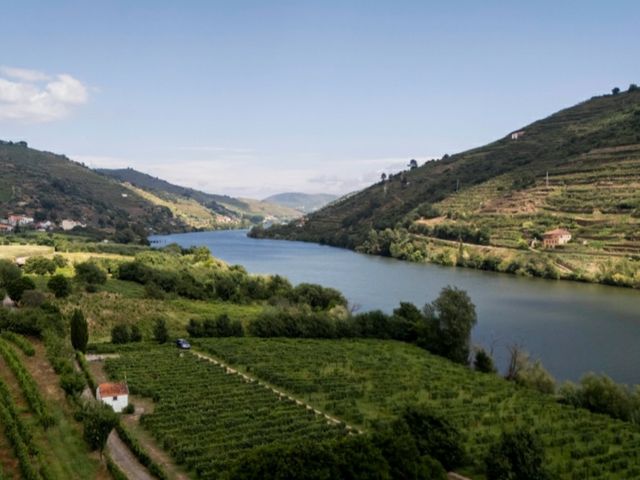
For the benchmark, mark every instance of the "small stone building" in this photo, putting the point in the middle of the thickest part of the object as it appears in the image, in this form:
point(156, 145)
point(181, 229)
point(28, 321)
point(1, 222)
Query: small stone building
point(116, 395)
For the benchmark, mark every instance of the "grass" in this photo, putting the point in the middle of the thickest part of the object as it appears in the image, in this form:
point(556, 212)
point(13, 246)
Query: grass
point(11, 252)
point(365, 380)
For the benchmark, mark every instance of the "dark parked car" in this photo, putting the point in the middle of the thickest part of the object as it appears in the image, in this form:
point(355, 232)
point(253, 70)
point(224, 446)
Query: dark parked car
point(183, 344)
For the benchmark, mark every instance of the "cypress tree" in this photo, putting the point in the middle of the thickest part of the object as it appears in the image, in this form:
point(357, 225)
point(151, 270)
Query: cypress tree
point(79, 331)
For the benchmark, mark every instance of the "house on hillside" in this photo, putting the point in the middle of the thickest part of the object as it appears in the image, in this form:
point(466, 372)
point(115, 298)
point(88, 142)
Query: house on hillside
point(8, 303)
point(553, 238)
point(116, 395)
point(19, 220)
point(517, 135)
point(70, 224)
point(4, 228)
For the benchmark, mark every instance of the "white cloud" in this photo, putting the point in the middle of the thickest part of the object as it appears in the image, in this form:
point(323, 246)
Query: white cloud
point(31, 96)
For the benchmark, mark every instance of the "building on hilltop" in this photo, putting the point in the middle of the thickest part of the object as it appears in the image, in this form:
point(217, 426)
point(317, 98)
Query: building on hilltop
point(517, 135)
point(116, 395)
point(553, 238)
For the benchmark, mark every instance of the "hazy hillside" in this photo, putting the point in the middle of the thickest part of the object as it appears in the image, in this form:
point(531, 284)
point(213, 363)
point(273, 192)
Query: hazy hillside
point(52, 187)
point(303, 202)
point(201, 209)
point(499, 195)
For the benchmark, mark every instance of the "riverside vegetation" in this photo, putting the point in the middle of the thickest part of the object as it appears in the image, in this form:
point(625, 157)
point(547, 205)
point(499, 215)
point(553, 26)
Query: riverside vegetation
point(487, 208)
point(400, 395)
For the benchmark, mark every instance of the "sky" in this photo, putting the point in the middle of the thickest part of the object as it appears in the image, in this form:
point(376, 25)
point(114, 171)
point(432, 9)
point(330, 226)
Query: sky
point(252, 98)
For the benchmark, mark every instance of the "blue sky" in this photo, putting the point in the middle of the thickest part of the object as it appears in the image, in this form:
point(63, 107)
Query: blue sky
point(253, 98)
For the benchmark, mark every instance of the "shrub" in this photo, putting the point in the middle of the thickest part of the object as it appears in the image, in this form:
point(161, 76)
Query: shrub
point(15, 288)
point(129, 409)
point(59, 285)
point(160, 332)
point(90, 273)
point(32, 298)
point(483, 362)
point(40, 266)
point(518, 455)
point(135, 334)
point(120, 334)
point(72, 383)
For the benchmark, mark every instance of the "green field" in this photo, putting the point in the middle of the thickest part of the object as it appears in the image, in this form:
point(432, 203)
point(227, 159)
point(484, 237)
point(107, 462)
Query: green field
point(208, 418)
point(364, 380)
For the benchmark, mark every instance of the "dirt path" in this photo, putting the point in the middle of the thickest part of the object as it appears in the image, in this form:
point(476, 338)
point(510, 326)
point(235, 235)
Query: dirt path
point(125, 460)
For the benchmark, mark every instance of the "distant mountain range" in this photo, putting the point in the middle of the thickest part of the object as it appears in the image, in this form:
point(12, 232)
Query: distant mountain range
point(303, 202)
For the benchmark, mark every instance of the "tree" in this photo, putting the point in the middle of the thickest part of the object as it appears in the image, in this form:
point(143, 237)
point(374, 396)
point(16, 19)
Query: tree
point(447, 324)
point(40, 265)
point(518, 455)
point(79, 331)
point(413, 164)
point(9, 272)
point(633, 87)
point(59, 285)
point(32, 298)
point(15, 288)
point(383, 177)
point(98, 420)
point(483, 362)
point(160, 332)
point(615, 91)
point(90, 273)
point(120, 334)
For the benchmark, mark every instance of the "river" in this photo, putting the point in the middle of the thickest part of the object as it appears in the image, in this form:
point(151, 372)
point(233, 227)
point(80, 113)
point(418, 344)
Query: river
point(573, 328)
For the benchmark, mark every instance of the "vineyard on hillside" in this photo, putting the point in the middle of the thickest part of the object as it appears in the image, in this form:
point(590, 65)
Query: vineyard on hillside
point(207, 418)
point(363, 380)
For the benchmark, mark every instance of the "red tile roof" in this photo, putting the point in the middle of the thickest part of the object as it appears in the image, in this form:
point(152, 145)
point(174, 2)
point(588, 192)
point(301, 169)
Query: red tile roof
point(557, 231)
point(113, 389)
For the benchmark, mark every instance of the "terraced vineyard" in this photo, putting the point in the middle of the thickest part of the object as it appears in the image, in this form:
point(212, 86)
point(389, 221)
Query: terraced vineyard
point(364, 380)
point(207, 418)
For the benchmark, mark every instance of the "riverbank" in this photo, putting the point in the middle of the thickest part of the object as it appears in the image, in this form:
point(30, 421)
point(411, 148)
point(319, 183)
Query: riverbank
point(568, 262)
point(561, 323)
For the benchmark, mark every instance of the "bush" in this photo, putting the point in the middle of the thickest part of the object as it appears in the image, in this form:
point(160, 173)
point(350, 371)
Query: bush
point(136, 334)
point(483, 362)
point(518, 455)
point(40, 265)
point(120, 334)
point(72, 383)
point(59, 285)
point(90, 273)
point(600, 394)
point(129, 409)
point(15, 288)
point(32, 298)
point(9, 272)
point(160, 332)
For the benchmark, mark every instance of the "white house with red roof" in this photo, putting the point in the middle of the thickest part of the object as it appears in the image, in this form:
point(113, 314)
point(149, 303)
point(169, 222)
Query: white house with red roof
point(116, 395)
point(553, 238)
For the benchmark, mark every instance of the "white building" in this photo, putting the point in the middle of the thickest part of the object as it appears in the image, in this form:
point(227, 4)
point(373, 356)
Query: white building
point(517, 135)
point(116, 395)
point(70, 224)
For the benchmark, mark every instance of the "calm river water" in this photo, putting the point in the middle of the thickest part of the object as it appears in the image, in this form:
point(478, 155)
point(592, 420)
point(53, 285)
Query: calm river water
point(572, 327)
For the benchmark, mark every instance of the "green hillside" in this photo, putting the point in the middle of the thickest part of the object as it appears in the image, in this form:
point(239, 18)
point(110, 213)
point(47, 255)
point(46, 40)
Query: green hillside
point(235, 210)
point(303, 202)
point(499, 196)
point(52, 187)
